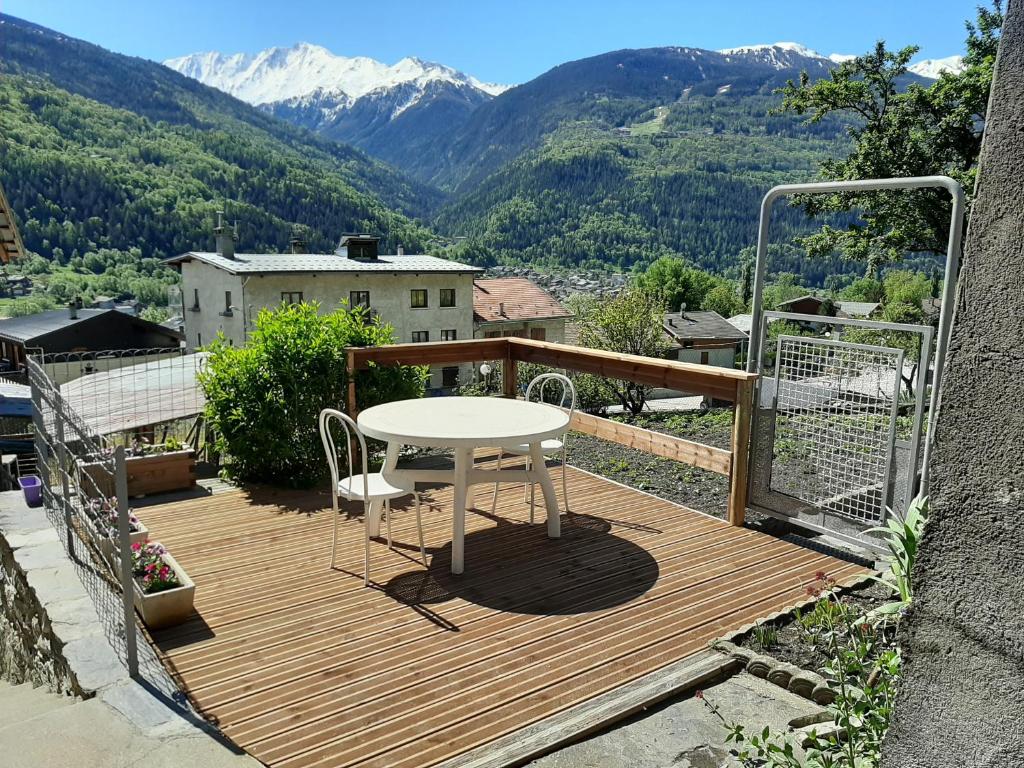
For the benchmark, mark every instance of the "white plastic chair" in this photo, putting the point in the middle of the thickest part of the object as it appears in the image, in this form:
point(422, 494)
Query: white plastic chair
point(365, 487)
point(549, 446)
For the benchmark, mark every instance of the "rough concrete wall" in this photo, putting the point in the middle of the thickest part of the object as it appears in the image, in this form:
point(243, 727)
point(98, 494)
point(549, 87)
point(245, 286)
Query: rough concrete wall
point(962, 703)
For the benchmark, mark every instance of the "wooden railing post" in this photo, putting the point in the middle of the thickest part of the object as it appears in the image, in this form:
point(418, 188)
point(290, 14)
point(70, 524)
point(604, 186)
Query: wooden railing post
point(351, 406)
point(509, 377)
point(741, 411)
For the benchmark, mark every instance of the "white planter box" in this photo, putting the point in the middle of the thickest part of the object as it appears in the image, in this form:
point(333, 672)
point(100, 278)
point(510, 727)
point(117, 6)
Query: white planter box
point(109, 551)
point(169, 607)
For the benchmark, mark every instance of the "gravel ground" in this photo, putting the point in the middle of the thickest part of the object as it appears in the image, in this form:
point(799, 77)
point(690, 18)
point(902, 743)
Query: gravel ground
point(692, 487)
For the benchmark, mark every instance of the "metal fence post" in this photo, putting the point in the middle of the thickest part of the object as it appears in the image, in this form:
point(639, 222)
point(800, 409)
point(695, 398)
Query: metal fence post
point(127, 579)
point(63, 467)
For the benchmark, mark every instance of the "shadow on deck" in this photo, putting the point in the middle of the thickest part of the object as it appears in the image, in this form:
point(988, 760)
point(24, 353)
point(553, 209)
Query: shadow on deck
point(301, 665)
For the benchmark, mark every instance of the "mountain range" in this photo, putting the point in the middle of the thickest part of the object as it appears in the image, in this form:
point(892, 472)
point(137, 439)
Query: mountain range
point(607, 161)
point(403, 112)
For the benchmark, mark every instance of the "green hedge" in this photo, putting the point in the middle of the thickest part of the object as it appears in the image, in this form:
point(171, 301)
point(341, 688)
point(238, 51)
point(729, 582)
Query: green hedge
point(263, 399)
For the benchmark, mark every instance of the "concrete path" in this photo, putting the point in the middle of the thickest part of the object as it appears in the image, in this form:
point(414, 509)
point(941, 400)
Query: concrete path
point(684, 733)
point(40, 729)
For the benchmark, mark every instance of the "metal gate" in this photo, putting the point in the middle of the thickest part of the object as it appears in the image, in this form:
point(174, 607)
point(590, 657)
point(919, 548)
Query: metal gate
point(839, 438)
point(836, 437)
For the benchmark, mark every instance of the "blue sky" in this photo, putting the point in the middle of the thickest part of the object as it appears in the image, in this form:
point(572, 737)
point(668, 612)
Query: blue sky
point(508, 42)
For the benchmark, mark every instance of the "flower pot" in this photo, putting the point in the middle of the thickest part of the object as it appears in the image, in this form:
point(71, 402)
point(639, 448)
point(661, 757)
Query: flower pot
point(32, 488)
point(169, 607)
point(106, 545)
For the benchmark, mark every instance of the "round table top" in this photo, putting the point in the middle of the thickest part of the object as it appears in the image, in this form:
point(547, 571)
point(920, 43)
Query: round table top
point(439, 422)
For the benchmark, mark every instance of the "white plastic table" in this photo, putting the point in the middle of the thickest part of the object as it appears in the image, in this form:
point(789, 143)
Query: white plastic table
point(466, 423)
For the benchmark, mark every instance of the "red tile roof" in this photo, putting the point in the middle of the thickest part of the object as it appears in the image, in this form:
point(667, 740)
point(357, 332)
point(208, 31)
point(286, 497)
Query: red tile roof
point(520, 299)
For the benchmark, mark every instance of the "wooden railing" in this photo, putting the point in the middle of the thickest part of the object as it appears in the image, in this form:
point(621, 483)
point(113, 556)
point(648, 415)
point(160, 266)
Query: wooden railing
point(725, 384)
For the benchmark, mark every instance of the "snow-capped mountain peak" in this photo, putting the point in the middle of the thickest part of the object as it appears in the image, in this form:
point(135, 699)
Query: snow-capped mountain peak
point(768, 48)
point(934, 67)
point(281, 74)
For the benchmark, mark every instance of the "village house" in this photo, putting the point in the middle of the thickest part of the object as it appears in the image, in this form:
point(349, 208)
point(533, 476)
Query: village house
point(77, 334)
point(703, 337)
point(515, 306)
point(424, 298)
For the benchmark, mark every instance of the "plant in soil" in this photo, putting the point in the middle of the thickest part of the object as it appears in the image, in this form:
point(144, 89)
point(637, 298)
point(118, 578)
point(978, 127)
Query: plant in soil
point(151, 570)
point(103, 513)
point(862, 671)
point(766, 636)
point(902, 538)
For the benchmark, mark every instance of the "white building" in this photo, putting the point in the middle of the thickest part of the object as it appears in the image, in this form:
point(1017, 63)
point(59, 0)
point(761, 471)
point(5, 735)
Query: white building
point(423, 297)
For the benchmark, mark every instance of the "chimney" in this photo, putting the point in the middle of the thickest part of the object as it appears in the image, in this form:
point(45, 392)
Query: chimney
point(74, 306)
point(298, 245)
point(400, 251)
point(225, 237)
point(682, 310)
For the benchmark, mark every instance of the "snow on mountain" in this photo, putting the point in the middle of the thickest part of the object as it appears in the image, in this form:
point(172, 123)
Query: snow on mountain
point(934, 67)
point(769, 48)
point(307, 70)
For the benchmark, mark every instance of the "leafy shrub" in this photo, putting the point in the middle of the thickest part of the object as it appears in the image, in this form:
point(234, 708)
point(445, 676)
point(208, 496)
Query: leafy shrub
point(263, 399)
point(902, 537)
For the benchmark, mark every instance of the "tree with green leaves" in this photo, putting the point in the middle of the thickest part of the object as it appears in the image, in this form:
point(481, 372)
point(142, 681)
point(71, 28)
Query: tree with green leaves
point(631, 323)
point(898, 131)
point(676, 283)
point(263, 399)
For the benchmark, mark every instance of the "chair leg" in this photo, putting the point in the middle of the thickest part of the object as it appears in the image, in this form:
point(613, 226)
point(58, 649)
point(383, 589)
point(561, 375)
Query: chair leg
point(419, 528)
point(387, 516)
point(334, 539)
point(565, 487)
point(494, 498)
point(366, 543)
point(533, 488)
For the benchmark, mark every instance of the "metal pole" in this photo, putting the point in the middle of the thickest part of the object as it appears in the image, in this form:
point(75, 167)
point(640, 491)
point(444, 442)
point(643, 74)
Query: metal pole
point(127, 579)
point(63, 466)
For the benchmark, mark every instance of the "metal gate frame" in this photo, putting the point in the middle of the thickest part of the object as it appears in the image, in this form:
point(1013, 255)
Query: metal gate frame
point(759, 317)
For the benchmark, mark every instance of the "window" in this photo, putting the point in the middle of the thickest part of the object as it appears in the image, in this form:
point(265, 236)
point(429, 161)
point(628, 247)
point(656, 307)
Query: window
point(291, 297)
point(447, 297)
point(449, 335)
point(517, 334)
point(450, 377)
point(420, 336)
point(538, 334)
point(195, 299)
point(419, 298)
point(358, 299)
point(227, 304)
point(492, 334)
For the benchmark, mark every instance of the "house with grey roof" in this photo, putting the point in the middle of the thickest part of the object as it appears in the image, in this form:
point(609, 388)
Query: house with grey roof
point(703, 337)
point(423, 297)
point(76, 330)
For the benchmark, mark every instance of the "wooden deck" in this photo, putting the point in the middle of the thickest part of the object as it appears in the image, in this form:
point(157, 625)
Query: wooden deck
point(303, 666)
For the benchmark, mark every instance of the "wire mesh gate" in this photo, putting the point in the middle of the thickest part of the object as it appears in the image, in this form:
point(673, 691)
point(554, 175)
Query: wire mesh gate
point(837, 429)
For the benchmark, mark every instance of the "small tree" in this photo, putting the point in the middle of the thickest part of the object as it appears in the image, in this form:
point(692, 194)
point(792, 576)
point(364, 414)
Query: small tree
point(630, 323)
point(263, 399)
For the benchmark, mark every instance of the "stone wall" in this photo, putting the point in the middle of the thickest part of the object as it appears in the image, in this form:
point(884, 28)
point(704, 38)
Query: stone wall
point(30, 650)
point(962, 700)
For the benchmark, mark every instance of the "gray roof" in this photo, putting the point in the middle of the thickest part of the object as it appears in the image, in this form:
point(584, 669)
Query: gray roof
point(30, 327)
point(857, 308)
point(741, 322)
point(701, 325)
point(247, 263)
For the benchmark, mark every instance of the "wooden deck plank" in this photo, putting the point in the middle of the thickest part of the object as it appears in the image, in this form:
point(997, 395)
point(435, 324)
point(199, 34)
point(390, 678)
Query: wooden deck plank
point(302, 665)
